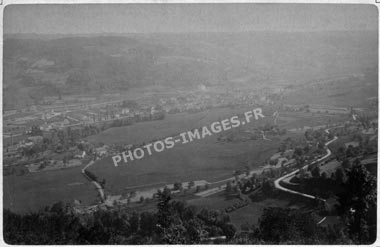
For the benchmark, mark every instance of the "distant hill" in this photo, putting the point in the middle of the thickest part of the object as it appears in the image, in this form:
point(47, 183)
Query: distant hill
point(35, 65)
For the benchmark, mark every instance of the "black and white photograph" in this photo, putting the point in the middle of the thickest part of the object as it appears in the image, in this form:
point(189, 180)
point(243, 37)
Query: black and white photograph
point(189, 123)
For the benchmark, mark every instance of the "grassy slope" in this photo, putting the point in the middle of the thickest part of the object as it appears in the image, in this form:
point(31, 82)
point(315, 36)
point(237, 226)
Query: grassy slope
point(35, 190)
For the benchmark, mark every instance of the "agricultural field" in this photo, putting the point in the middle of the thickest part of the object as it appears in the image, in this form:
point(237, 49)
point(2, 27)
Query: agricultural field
point(201, 159)
point(172, 125)
point(206, 159)
point(248, 214)
point(34, 190)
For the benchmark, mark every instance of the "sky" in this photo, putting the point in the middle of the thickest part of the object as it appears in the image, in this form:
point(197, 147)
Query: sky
point(150, 18)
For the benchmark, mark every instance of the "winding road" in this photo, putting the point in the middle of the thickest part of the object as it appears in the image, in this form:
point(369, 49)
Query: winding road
point(278, 185)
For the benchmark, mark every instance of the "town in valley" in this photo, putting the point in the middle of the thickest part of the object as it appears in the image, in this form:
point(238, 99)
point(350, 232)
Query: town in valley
point(303, 172)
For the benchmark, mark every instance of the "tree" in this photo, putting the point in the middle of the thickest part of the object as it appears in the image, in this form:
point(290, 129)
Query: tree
point(147, 223)
point(320, 146)
point(308, 134)
point(298, 151)
point(267, 187)
point(302, 173)
point(279, 225)
point(130, 104)
point(132, 194)
point(134, 222)
point(191, 184)
point(340, 153)
point(35, 131)
point(228, 187)
point(350, 151)
point(346, 164)
point(316, 172)
point(229, 230)
point(177, 186)
point(246, 171)
point(357, 200)
point(282, 147)
point(306, 148)
point(197, 189)
point(194, 230)
point(103, 183)
point(163, 214)
point(340, 175)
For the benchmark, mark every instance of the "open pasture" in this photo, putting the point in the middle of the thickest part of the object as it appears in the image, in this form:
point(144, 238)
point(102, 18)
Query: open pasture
point(206, 159)
point(35, 190)
point(201, 159)
point(172, 125)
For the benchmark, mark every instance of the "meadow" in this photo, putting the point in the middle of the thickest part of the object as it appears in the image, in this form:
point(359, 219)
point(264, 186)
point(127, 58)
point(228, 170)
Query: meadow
point(249, 214)
point(35, 190)
point(172, 125)
point(202, 159)
point(206, 159)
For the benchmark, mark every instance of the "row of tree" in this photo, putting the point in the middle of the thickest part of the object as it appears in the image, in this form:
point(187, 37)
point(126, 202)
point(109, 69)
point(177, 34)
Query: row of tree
point(172, 223)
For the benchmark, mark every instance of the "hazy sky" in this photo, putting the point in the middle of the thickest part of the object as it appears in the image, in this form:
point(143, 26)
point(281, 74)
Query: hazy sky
point(145, 18)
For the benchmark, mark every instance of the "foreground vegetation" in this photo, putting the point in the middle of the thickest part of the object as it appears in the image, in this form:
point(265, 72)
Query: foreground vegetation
point(173, 222)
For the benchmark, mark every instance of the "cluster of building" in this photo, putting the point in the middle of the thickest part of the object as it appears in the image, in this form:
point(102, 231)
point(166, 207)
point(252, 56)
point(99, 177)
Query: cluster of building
point(53, 125)
point(195, 102)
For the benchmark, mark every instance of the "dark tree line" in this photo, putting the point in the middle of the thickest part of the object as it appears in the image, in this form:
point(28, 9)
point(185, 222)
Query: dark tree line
point(172, 223)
